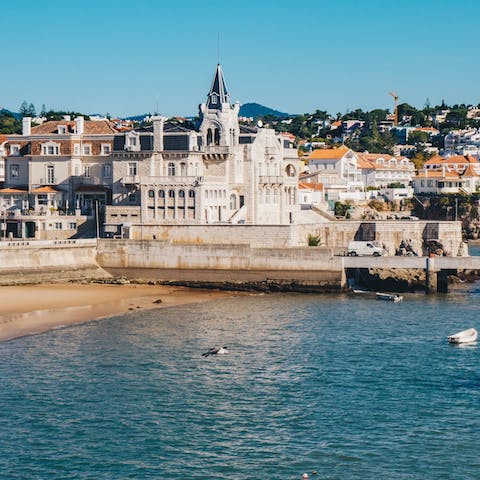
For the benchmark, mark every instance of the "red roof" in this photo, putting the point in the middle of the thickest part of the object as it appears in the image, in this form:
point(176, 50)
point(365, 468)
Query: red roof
point(102, 127)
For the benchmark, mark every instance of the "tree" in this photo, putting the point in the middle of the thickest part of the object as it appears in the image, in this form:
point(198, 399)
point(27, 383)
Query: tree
point(44, 110)
point(417, 137)
point(9, 124)
point(24, 109)
point(31, 110)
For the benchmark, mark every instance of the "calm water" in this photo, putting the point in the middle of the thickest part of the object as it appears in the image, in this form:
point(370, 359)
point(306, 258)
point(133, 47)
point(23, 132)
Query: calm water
point(347, 386)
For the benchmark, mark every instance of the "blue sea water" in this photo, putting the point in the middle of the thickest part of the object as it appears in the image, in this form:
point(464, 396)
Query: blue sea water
point(343, 385)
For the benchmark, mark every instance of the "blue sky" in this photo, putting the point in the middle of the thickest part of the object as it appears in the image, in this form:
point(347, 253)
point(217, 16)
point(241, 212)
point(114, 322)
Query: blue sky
point(126, 57)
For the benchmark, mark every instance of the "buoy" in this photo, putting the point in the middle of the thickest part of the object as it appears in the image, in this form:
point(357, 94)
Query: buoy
point(305, 475)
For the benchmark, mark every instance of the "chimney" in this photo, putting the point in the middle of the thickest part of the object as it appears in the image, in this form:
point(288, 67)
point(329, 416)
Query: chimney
point(26, 126)
point(80, 125)
point(158, 123)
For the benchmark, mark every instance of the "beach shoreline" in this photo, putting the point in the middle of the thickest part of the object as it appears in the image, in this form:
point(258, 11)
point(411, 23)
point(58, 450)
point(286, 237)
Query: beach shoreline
point(31, 309)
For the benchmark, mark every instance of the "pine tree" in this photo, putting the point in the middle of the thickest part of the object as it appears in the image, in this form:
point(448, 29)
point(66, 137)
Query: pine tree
point(24, 109)
point(31, 110)
point(44, 110)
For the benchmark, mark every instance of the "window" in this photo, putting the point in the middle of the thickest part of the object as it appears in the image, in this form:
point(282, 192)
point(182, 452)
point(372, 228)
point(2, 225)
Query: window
point(132, 198)
point(76, 149)
point(181, 194)
point(14, 149)
point(429, 183)
point(191, 193)
point(171, 169)
point(42, 199)
point(58, 225)
point(50, 149)
point(161, 193)
point(132, 168)
point(14, 170)
point(106, 149)
point(151, 194)
point(50, 174)
point(62, 129)
point(214, 99)
point(107, 170)
point(132, 141)
point(171, 193)
point(87, 171)
point(87, 149)
point(76, 170)
point(72, 225)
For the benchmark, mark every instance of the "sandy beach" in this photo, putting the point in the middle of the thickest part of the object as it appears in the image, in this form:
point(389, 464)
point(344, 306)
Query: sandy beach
point(29, 309)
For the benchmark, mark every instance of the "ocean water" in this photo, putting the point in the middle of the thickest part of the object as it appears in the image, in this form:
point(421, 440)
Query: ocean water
point(346, 386)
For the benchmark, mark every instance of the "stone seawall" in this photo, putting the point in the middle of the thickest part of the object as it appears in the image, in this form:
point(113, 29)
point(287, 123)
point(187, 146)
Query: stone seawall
point(219, 265)
point(335, 235)
point(23, 262)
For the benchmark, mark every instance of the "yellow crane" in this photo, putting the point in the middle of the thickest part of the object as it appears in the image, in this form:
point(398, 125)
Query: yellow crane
point(395, 111)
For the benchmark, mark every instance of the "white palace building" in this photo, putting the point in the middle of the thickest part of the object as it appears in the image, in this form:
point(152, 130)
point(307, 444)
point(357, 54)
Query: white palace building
point(217, 172)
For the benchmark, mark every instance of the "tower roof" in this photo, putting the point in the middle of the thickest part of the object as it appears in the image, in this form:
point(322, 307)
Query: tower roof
point(218, 91)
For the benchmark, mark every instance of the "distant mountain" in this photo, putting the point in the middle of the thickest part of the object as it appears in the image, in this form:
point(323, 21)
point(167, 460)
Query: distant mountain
point(4, 111)
point(256, 110)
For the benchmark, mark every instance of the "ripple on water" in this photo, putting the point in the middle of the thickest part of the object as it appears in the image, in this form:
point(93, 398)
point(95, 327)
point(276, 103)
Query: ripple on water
point(349, 387)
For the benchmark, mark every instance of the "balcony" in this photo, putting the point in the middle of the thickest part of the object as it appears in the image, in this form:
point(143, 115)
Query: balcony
point(270, 179)
point(216, 149)
point(130, 180)
point(169, 180)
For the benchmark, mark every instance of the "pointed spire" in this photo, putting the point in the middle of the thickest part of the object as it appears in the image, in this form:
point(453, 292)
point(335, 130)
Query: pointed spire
point(218, 91)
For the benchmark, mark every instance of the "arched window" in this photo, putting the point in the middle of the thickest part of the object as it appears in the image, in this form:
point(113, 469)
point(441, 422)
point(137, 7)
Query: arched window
point(161, 193)
point(209, 136)
point(181, 194)
point(290, 170)
point(217, 136)
point(151, 194)
point(191, 193)
point(183, 169)
point(233, 202)
point(206, 194)
point(171, 193)
point(171, 169)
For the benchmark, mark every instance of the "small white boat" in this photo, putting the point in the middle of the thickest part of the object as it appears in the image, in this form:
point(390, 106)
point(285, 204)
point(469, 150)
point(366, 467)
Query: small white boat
point(465, 336)
point(389, 297)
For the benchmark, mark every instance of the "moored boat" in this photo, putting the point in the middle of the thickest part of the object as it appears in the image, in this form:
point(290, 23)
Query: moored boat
point(389, 297)
point(465, 336)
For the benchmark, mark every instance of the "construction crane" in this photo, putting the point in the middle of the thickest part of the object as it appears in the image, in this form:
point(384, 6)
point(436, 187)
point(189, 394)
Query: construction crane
point(395, 111)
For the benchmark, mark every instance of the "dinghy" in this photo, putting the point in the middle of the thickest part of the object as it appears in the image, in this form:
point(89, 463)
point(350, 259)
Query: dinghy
point(389, 297)
point(465, 336)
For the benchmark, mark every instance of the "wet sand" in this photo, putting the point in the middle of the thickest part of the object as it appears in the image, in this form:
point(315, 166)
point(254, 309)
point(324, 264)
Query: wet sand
point(29, 309)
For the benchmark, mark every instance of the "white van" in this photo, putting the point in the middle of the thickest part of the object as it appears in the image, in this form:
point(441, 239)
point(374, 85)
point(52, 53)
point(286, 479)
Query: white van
point(365, 248)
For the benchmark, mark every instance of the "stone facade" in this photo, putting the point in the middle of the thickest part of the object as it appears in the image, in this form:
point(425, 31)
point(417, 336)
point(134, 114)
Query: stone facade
point(215, 172)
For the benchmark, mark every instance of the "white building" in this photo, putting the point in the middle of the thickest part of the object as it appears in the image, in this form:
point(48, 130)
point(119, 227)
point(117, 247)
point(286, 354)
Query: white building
point(214, 172)
point(456, 174)
point(337, 169)
point(380, 170)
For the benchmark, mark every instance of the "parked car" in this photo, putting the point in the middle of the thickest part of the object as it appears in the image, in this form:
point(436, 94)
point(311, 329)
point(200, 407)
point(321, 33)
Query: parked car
point(356, 249)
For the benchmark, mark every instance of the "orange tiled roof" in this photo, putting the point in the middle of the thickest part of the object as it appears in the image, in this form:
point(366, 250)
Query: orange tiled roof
point(45, 189)
point(3, 138)
point(102, 127)
point(363, 162)
point(328, 153)
point(438, 160)
point(437, 174)
point(318, 187)
point(12, 191)
point(470, 172)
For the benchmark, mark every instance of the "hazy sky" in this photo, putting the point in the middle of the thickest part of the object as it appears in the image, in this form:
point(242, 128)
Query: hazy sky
point(126, 57)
